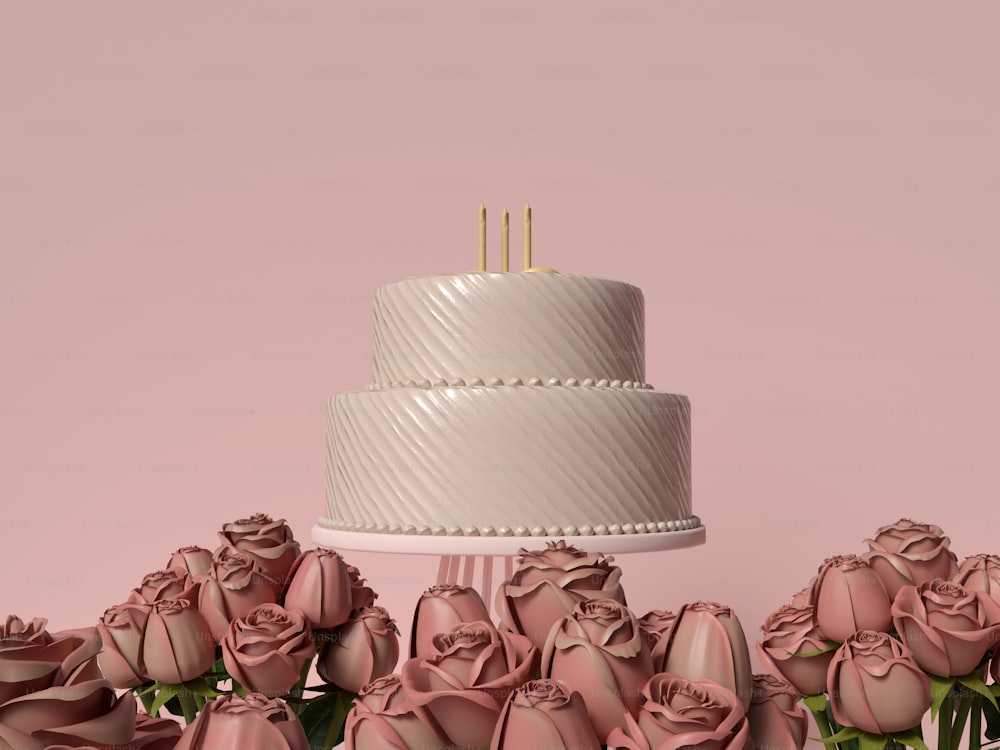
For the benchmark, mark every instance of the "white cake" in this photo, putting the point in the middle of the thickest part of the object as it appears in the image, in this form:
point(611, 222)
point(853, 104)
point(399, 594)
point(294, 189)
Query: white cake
point(509, 404)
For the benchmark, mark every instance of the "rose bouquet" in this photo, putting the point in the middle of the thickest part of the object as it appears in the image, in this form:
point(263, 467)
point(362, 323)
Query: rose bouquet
point(878, 640)
point(224, 641)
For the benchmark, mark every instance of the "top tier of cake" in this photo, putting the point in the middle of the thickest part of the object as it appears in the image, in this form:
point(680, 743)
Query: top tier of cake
point(528, 326)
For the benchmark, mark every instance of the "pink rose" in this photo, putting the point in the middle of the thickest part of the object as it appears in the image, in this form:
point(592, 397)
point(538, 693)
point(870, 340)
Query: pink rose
point(794, 648)
point(195, 560)
point(465, 681)
point(177, 645)
point(600, 651)
point(442, 608)
point(681, 713)
point(33, 659)
point(948, 628)
point(707, 642)
point(233, 586)
point(154, 733)
point(84, 714)
point(980, 573)
point(123, 629)
point(253, 722)
point(805, 596)
point(876, 686)
point(362, 649)
point(776, 719)
point(172, 583)
point(361, 596)
point(320, 587)
point(266, 650)
point(849, 597)
point(548, 584)
point(907, 553)
point(383, 719)
point(657, 624)
point(544, 715)
point(270, 543)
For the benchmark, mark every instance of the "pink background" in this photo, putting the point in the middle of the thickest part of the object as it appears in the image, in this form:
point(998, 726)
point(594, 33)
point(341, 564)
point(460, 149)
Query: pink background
point(198, 203)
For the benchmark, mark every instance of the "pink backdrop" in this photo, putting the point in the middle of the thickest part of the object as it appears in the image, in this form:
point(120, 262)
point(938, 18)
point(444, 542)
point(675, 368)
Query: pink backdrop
point(198, 203)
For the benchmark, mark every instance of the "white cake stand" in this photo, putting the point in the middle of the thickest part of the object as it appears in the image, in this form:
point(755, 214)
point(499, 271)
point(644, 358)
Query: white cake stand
point(469, 560)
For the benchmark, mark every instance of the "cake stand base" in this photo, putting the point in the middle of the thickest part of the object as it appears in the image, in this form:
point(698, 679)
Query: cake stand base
point(501, 546)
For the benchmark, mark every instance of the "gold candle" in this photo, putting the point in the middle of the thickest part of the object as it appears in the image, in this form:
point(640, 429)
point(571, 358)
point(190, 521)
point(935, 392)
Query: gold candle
point(482, 236)
point(527, 237)
point(505, 241)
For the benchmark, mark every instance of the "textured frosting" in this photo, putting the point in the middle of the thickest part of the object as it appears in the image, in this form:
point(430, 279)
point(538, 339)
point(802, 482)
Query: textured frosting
point(508, 325)
point(483, 460)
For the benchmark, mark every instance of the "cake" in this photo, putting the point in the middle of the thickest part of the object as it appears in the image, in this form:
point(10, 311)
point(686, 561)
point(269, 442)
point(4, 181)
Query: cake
point(509, 404)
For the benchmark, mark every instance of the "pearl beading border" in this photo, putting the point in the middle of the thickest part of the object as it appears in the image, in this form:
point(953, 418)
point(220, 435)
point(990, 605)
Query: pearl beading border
point(512, 382)
point(614, 529)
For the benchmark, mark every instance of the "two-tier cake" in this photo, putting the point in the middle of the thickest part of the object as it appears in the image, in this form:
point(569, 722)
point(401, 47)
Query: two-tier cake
point(508, 405)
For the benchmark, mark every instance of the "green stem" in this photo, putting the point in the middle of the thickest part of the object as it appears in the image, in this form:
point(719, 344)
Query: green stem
point(944, 722)
point(299, 687)
point(147, 701)
point(976, 724)
point(961, 715)
point(823, 724)
point(188, 706)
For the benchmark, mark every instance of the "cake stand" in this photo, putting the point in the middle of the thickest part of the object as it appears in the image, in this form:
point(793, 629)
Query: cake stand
point(469, 560)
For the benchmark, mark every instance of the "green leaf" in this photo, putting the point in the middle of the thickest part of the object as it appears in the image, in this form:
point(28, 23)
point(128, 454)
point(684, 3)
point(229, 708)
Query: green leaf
point(974, 682)
point(146, 688)
point(992, 716)
point(868, 741)
point(847, 733)
point(815, 702)
point(166, 692)
point(940, 686)
point(830, 646)
point(316, 717)
point(199, 686)
point(910, 738)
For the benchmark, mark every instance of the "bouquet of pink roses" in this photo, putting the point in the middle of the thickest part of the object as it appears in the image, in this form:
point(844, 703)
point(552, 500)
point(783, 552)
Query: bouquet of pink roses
point(877, 640)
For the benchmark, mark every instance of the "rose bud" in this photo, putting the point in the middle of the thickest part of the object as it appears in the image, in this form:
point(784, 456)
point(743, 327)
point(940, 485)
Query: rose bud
point(793, 646)
point(876, 685)
point(383, 719)
point(172, 583)
point(154, 733)
point(251, 722)
point(948, 628)
point(320, 587)
point(465, 681)
point(657, 624)
point(177, 645)
point(362, 649)
point(233, 586)
point(195, 560)
point(122, 629)
point(544, 715)
point(980, 573)
point(32, 659)
point(442, 608)
point(907, 553)
point(79, 715)
point(266, 650)
point(681, 713)
point(849, 597)
point(270, 543)
point(776, 719)
point(600, 651)
point(547, 585)
point(361, 596)
point(707, 642)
